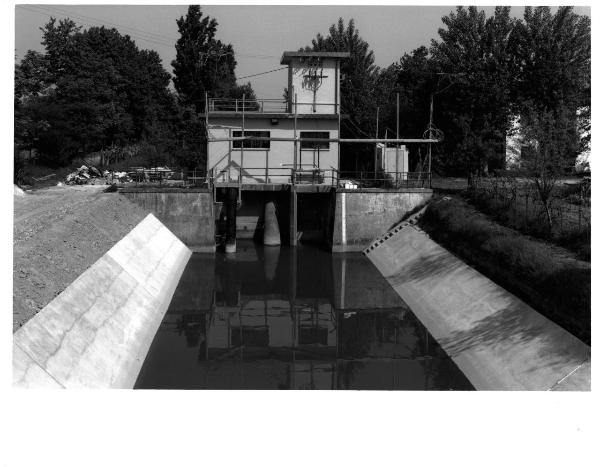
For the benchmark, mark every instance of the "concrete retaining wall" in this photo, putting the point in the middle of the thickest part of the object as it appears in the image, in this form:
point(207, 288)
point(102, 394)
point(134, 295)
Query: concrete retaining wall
point(96, 333)
point(361, 215)
point(497, 340)
point(188, 213)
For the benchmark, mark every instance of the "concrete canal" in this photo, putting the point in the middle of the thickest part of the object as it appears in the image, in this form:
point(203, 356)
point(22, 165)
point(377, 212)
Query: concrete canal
point(292, 318)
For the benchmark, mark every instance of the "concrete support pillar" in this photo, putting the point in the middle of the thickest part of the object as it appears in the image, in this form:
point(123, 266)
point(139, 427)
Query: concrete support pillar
point(231, 212)
point(293, 217)
point(271, 234)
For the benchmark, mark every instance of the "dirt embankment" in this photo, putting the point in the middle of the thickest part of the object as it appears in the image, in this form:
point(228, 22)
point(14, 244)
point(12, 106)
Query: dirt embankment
point(58, 233)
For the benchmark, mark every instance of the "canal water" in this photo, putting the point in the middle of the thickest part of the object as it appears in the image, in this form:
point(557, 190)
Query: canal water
point(292, 318)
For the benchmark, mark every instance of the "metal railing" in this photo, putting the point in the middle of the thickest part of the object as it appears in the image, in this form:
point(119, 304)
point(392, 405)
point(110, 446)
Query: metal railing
point(384, 180)
point(221, 104)
point(278, 175)
point(141, 176)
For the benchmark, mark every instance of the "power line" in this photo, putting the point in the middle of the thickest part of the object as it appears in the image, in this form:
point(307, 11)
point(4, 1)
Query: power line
point(263, 73)
point(91, 19)
point(159, 39)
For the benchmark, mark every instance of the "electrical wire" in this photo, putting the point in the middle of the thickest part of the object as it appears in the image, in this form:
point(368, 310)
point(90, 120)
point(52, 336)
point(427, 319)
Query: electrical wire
point(263, 73)
point(159, 39)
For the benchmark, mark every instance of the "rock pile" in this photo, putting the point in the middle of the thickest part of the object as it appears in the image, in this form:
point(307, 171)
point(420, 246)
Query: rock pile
point(85, 175)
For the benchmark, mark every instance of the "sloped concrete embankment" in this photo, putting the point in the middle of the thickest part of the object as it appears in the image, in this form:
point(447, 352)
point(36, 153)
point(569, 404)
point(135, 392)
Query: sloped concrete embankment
point(498, 341)
point(97, 332)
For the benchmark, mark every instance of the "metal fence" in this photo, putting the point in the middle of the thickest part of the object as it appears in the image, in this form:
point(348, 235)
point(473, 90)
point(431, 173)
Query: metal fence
point(385, 180)
point(220, 104)
point(141, 176)
point(519, 200)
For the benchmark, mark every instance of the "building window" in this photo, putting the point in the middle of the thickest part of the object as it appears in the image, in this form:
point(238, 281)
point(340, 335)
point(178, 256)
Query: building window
point(314, 144)
point(250, 144)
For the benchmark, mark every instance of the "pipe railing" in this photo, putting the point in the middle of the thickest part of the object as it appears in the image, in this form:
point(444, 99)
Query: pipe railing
point(141, 176)
point(219, 104)
point(384, 179)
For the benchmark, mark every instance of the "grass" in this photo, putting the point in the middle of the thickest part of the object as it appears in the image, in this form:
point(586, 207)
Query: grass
point(572, 227)
point(556, 285)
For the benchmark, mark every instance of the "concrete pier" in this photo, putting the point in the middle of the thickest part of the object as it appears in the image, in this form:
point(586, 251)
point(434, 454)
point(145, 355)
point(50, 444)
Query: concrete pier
point(231, 225)
point(97, 332)
point(187, 212)
point(497, 340)
point(271, 235)
point(362, 214)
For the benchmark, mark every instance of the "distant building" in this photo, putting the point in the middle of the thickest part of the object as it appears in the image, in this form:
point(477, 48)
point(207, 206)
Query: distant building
point(517, 146)
point(312, 111)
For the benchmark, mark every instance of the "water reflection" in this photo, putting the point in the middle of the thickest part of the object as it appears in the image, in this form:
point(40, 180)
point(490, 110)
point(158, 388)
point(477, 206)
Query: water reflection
point(285, 318)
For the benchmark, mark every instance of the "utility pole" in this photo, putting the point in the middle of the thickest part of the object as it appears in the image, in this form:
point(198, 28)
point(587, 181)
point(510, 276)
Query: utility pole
point(206, 124)
point(376, 136)
point(397, 132)
point(430, 134)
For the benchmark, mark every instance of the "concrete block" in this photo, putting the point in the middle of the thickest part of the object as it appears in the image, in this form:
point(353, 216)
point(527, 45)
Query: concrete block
point(97, 332)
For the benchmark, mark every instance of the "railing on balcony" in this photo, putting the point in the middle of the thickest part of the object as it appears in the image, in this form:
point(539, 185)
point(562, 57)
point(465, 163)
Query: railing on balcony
point(219, 104)
point(277, 175)
point(248, 105)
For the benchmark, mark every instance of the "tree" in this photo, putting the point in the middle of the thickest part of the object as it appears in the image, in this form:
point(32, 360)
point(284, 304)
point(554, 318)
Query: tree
point(413, 78)
point(357, 87)
point(554, 56)
point(203, 64)
point(90, 90)
point(477, 109)
point(548, 144)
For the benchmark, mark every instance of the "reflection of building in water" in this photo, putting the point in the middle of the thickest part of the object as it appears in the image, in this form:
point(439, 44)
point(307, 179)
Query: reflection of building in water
point(317, 322)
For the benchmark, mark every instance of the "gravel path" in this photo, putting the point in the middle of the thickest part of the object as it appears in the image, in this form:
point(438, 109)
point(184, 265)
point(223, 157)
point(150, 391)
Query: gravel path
point(58, 233)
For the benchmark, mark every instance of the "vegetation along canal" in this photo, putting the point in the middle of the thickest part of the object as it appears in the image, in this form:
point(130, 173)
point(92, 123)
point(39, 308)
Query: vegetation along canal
point(292, 318)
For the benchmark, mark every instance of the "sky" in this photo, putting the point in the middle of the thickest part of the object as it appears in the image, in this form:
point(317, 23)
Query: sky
point(259, 34)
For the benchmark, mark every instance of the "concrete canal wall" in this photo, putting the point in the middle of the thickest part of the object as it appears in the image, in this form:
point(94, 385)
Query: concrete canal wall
point(97, 332)
point(498, 341)
point(188, 213)
point(361, 215)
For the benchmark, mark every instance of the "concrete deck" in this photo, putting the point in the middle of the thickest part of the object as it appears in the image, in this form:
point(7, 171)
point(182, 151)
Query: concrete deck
point(96, 333)
point(497, 340)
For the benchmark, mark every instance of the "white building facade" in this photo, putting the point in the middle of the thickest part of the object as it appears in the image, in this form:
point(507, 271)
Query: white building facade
point(311, 113)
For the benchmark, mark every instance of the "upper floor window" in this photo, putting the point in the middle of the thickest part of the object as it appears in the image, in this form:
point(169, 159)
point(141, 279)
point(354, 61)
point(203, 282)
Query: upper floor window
point(314, 144)
point(252, 144)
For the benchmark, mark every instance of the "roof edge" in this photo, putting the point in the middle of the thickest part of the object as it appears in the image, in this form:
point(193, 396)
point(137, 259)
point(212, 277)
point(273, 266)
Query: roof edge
point(289, 55)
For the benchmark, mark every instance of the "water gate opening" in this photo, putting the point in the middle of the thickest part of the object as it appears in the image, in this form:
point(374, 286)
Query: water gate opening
point(292, 318)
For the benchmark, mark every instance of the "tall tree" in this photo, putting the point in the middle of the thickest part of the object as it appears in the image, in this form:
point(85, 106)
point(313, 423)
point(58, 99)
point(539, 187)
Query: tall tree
point(357, 88)
point(479, 51)
point(203, 63)
point(554, 55)
point(90, 90)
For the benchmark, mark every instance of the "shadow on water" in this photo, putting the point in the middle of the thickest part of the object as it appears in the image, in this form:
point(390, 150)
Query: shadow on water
point(292, 318)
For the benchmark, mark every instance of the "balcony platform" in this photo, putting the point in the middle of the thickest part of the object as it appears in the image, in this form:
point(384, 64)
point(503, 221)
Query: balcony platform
point(299, 188)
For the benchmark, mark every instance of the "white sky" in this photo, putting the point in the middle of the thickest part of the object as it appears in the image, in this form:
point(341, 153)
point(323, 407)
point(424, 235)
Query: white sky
point(259, 34)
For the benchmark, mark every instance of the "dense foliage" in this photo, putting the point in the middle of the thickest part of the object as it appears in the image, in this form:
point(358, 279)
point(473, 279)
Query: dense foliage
point(95, 89)
point(481, 74)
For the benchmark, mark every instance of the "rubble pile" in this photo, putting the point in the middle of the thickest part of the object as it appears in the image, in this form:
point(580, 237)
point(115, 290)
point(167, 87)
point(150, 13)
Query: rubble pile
point(85, 175)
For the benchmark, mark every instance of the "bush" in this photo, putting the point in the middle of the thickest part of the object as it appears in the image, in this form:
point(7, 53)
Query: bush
point(529, 268)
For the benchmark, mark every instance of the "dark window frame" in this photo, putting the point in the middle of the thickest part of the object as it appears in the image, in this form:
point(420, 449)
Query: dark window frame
point(312, 145)
point(250, 144)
